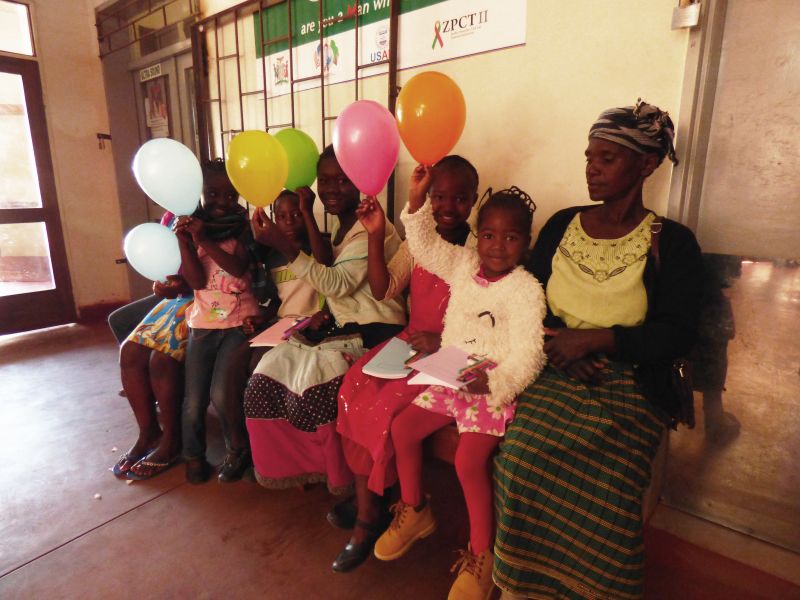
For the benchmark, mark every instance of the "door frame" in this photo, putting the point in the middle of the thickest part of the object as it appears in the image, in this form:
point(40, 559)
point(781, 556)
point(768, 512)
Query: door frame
point(701, 70)
point(34, 310)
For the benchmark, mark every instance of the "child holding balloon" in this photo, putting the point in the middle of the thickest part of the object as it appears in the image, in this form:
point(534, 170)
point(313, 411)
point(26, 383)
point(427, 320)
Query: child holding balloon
point(289, 296)
point(151, 367)
point(292, 296)
point(302, 446)
point(215, 263)
point(368, 404)
point(495, 311)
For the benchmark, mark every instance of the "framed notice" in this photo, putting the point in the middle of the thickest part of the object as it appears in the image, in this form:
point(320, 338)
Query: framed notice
point(156, 107)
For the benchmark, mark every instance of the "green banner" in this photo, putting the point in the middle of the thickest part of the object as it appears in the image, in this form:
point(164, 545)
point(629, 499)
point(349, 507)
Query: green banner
point(337, 17)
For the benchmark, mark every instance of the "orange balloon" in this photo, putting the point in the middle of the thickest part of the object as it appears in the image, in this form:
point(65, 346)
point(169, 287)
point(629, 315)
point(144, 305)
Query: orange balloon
point(431, 113)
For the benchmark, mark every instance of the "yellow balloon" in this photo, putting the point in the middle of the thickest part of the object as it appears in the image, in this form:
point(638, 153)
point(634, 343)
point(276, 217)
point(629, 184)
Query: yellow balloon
point(257, 166)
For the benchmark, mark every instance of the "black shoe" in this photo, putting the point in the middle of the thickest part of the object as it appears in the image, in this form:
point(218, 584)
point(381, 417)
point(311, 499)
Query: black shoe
point(197, 470)
point(355, 554)
point(234, 466)
point(343, 514)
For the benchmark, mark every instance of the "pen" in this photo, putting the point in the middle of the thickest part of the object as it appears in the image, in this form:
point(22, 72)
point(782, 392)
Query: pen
point(468, 373)
point(298, 326)
point(415, 357)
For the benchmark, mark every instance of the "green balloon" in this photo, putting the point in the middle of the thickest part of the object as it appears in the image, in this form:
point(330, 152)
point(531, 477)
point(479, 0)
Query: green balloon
point(303, 156)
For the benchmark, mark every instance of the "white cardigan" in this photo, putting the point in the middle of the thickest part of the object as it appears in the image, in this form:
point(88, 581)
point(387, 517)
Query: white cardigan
point(502, 321)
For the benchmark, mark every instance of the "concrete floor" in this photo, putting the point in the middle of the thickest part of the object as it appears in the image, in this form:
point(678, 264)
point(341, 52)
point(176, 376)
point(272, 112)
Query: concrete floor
point(60, 421)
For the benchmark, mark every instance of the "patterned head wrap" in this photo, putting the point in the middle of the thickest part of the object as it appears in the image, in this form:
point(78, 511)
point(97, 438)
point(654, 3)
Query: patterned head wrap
point(642, 128)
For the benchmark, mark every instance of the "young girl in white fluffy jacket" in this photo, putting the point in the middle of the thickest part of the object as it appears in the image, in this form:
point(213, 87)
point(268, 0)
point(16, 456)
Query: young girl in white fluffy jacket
point(496, 310)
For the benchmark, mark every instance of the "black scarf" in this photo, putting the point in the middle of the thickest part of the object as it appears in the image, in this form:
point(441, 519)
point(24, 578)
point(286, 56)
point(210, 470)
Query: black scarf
point(223, 228)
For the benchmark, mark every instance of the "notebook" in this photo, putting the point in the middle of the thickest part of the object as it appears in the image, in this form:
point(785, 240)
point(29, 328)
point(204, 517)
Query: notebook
point(389, 363)
point(447, 368)
point(276, 334)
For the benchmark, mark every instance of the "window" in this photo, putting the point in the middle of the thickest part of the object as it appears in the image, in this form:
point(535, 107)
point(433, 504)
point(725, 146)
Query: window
point(15, 28)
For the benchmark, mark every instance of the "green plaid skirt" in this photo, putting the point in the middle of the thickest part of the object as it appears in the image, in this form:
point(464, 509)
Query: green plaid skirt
point(569, 480)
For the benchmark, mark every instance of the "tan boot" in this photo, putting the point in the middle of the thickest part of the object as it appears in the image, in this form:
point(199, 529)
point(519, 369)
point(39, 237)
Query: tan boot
point(407, 527)
point(474, 580)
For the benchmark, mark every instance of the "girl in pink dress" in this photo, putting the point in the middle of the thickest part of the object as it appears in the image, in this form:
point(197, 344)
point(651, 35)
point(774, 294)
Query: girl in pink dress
point(368, 404)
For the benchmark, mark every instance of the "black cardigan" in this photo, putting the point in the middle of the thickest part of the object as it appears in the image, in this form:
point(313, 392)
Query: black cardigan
point(674, 293)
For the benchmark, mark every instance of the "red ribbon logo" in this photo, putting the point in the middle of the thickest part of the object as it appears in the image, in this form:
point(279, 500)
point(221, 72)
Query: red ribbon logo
point(437, 36)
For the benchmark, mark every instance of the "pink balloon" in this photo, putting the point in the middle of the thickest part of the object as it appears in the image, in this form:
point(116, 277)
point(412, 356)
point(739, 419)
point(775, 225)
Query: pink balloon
point(366, 143)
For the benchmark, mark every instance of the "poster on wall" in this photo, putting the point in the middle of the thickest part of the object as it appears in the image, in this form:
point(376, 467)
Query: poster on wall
point(430, 31)
point(156, 107)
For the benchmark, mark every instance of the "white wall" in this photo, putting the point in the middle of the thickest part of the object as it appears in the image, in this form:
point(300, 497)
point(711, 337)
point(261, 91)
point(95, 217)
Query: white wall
point(85, 183)
point(530, 108)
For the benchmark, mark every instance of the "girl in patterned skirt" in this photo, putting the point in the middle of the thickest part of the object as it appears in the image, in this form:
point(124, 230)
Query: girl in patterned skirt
point(622, 306)
point(151, 367)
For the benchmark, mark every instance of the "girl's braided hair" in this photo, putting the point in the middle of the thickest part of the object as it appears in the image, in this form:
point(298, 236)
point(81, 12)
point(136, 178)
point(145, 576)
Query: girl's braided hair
point(512, 199)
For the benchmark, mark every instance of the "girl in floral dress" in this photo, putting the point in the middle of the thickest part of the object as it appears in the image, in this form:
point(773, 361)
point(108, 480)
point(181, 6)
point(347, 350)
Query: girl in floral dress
point(495, 311)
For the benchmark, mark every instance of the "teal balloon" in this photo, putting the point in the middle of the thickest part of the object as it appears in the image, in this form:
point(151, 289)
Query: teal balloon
point(153, 251)
point(303, 155)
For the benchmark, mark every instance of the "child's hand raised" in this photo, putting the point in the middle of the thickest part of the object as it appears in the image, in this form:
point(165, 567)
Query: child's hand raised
point(264, 230)
point(421, 180)
point(189, 229)
point(307, 197)
point(370, 214)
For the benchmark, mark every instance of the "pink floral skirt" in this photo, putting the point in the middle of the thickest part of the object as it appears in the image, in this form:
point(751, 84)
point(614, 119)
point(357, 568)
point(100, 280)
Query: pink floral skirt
point(472, 412)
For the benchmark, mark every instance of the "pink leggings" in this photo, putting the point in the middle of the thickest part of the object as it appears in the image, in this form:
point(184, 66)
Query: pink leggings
point(473, 467)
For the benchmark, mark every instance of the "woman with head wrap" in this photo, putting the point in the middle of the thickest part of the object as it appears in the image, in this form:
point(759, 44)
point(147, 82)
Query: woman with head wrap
point(576, 460)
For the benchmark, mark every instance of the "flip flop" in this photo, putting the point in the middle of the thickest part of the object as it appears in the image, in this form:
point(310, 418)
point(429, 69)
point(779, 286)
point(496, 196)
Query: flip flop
point(124, 465)
point(146, 469)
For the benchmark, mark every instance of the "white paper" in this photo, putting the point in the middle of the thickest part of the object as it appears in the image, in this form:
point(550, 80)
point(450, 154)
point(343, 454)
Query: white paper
point(389, 363)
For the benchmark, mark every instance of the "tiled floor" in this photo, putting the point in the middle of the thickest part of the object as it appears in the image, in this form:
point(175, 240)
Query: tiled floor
point(61, 418)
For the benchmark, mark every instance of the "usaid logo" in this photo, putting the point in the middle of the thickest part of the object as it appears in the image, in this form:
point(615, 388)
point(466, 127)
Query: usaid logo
point(381, 51)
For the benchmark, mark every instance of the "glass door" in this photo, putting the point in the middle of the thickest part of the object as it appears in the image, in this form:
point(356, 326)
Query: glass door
point(35, 288)
point(739, 467)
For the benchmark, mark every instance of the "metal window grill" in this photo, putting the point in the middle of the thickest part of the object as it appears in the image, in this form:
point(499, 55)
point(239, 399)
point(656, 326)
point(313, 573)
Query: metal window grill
point(153, 24)
point(226, 93)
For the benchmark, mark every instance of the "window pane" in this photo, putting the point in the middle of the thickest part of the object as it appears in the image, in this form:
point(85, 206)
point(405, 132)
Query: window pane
point(24, 259)
point(20, 188)
point(15, 33)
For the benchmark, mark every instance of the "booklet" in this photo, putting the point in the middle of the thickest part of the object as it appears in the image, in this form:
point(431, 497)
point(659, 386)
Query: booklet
point(449, 367)
point(279, 332)
point(390, 362)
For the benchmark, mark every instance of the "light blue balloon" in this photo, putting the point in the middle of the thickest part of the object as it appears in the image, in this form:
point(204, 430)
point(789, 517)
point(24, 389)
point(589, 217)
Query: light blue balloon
point(170, 174)
point(153, 251)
